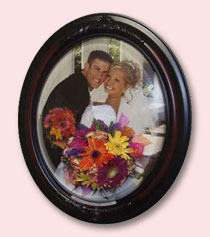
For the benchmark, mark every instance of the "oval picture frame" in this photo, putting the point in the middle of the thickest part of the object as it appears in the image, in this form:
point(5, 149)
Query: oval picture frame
point(177, 115)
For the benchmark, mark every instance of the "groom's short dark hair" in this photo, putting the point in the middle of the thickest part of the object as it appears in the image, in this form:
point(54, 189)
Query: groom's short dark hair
point(99, 54)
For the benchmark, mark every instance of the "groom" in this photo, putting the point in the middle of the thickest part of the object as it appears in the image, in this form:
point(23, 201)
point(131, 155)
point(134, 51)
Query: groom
point(73, 92)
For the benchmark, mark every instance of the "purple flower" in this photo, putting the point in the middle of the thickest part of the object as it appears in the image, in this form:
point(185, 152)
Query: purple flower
point(86, 190)
point(81, 130)
point(115, 126)
point(113, 173)
point(72, 152)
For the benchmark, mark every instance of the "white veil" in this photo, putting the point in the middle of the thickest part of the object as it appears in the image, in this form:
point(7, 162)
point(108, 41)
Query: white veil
point(137, 108)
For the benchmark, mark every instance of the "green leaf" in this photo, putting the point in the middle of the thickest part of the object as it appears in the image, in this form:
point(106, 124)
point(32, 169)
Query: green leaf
point(113, 132)
point(98, 125)
point(110, 126)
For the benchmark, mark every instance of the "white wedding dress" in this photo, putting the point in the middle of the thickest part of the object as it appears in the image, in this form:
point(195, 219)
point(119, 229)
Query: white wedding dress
point(102, 112)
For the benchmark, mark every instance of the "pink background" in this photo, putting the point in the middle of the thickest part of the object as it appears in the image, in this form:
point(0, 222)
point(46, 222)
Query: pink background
point(25, 26)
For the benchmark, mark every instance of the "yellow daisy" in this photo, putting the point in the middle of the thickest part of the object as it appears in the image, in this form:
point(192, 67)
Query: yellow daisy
point(56, 132)
point(118, 144)
point(86, 181)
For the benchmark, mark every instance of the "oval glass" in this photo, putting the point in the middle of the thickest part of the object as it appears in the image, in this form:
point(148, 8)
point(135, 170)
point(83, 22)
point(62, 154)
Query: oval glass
point(143, 106)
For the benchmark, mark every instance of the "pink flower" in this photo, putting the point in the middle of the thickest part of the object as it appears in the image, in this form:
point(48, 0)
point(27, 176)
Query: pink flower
point(81, 132)
point(137, 149)
point(123, 120)
point(79, 143)
point(47, 121)
point(63, 125)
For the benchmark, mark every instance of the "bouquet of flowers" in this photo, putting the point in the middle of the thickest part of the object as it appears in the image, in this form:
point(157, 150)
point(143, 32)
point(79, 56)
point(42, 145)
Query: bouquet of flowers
point(102, 157)
point(59, 124)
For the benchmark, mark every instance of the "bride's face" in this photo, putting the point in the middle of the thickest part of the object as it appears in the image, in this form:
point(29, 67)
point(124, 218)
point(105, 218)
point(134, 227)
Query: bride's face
point(114, 83)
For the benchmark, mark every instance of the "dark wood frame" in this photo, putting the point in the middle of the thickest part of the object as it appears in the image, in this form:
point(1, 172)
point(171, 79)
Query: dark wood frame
point(178, 109)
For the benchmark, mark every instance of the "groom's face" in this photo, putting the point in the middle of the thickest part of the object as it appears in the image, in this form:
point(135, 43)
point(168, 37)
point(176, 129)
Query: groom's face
point(96, 72)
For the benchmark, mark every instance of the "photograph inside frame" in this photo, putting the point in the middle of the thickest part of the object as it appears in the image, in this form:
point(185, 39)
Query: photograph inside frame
point(101, 120)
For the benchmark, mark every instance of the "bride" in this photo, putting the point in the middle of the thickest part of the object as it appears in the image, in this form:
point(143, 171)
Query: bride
point(125, 95)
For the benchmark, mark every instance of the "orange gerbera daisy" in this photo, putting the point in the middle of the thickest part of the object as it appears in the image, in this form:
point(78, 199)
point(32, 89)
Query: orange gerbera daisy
point(95, 153)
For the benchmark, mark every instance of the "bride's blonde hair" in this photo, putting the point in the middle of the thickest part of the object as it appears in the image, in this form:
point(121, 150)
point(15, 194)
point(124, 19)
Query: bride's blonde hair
point(131, 71)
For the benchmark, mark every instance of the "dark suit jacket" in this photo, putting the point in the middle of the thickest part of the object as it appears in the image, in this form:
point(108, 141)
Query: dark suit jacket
point(71, 93)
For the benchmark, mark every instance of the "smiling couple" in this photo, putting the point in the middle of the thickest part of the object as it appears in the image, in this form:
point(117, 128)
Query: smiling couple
point(120, 81)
